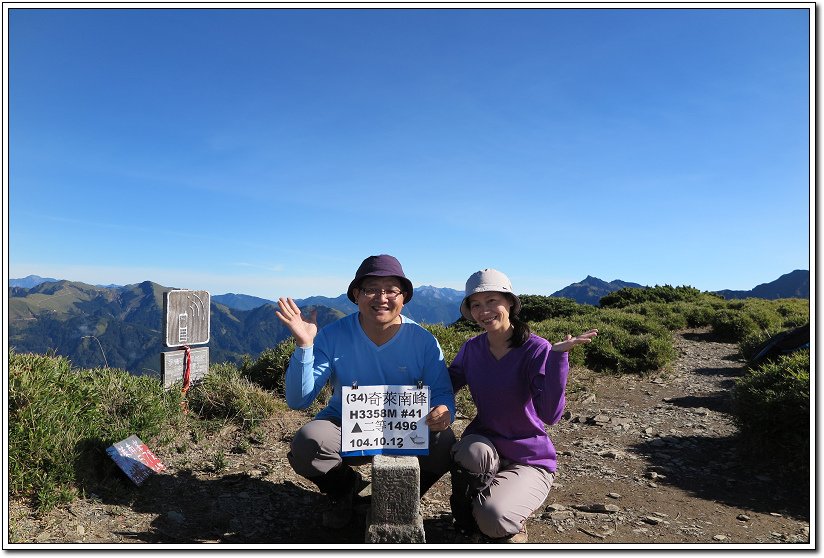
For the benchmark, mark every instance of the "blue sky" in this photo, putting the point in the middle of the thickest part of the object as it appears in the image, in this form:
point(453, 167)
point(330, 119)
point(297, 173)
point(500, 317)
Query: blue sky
point(268, 151)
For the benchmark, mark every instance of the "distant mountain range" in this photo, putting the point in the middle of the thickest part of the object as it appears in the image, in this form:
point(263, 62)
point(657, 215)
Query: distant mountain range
point(795, 284)
point(67, 317)
point(30, 281)
point(591, 289)
point(71, 317)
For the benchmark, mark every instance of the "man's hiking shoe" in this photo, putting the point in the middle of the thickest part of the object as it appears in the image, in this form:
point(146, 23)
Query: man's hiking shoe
point(341, 507)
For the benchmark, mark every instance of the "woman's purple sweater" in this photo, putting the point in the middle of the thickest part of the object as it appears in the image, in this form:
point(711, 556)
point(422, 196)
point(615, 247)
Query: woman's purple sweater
point(515, 396)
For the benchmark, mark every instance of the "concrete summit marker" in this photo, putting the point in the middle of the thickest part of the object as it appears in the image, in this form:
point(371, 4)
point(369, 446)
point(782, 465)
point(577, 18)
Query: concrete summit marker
point(395, 516)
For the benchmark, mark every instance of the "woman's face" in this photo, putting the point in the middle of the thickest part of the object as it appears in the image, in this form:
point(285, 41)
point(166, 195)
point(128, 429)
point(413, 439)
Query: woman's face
point(490, 310)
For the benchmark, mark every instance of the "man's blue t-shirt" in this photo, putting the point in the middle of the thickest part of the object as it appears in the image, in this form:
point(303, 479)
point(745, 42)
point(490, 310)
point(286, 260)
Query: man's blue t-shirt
point(344, 354)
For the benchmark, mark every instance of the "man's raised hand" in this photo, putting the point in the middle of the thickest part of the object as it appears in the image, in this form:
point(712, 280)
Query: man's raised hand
point(303, 330)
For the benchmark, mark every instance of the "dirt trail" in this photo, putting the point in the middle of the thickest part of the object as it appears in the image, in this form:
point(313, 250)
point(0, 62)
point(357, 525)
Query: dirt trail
point(641, 461)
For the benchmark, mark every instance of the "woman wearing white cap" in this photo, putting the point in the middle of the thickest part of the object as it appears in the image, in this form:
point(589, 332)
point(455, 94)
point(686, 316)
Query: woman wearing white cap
point(504, 464)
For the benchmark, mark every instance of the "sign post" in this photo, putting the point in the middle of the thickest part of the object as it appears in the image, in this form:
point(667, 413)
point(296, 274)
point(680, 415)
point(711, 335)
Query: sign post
point(187, 323)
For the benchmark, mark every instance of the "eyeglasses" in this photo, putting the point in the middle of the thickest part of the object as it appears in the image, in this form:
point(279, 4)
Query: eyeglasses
point(372, 292)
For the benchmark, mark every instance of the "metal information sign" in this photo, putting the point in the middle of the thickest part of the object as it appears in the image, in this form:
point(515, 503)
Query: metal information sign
point(387, 420)
point(187, 317)
point(135, 459)
point(173, 365)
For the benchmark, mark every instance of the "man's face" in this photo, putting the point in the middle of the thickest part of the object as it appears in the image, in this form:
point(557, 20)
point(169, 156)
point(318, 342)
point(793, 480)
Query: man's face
point(376, 301)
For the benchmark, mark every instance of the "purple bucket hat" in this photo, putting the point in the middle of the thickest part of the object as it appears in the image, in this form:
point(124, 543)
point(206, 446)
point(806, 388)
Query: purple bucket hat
point(383, 265)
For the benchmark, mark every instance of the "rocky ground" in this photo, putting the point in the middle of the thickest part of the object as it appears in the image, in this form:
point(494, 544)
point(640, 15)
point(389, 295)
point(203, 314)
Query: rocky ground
point(649, 460)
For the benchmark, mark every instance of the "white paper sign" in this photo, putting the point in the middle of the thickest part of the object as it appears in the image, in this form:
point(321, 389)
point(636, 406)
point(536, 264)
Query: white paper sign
point(389, 420)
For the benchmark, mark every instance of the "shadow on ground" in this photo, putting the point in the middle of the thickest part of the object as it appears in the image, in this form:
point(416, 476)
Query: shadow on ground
point(715, 469)
point(239, 509)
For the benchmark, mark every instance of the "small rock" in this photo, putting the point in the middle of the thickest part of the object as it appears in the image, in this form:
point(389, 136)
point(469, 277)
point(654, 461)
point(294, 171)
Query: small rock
point(81, 530)
point(652, 520)
point(614, 495)
point(612, 454)
point(598, 420)
point(743, 517)
point(607, 508)
point(719, 538)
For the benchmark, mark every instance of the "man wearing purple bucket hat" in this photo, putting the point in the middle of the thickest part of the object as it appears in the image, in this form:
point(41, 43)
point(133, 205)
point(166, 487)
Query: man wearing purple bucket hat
point(374, 346)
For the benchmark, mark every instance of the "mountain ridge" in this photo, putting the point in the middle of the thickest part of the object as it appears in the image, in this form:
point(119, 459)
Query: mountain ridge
point(66, 317)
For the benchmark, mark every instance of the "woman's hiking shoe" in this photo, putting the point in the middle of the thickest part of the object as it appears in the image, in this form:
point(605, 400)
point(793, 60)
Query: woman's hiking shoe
point(518, 538)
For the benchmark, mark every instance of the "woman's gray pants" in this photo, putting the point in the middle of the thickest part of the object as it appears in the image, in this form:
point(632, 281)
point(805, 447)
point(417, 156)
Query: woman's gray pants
point(513, 492)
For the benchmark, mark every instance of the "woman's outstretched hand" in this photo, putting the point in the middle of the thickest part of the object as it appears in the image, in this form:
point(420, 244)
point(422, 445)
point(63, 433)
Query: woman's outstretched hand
point(570, 341)
point(303, 330)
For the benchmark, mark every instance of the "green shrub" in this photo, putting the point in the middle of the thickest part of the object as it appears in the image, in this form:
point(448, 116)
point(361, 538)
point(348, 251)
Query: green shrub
point(537, 308)
point(669, 315)
point(699, 314)
point(666, 293)
point(269, 369)
point(557, 329)
point(617, 350)
point(629, 342)
point(451, 338)
point(772, 410)
point(794, 311)
point(227, 395)
point(61, 421)
point(752, 321)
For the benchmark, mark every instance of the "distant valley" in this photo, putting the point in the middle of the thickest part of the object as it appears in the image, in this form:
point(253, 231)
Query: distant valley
point(121, 326)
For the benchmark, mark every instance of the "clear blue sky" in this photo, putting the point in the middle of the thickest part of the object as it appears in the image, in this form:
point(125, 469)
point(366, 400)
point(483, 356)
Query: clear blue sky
point(268, 151)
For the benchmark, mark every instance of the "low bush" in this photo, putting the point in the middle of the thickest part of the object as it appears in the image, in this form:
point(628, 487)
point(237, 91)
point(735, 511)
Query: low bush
point(225, 394)
point(666, 294)
point(669, 315)
point(772, 410)
point(752, 321)
point(557, 329)
point(451, 338)
point(61, 420)
point(269, 369)
point(537, 308)
point(268, 372)
point(618, 351)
